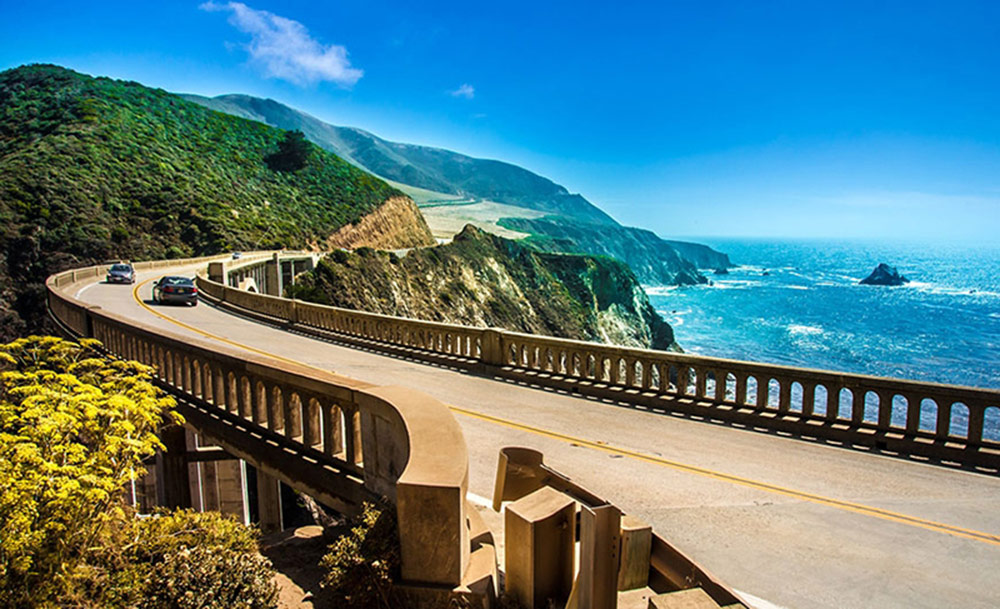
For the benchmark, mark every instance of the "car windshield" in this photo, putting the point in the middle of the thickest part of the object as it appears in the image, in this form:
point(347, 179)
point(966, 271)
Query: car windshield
point(181, 281)
point(120, 268)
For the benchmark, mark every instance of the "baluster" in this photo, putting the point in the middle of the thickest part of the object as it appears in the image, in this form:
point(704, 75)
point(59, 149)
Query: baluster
point(833, 402)
point(721, 382)
point(884, 409)
point(630, 371)
point(808, 398)
point(912, 413)
point(700, 382)
point(977, 415)
point(763, 391)
point(943, 428)
point(784, 394)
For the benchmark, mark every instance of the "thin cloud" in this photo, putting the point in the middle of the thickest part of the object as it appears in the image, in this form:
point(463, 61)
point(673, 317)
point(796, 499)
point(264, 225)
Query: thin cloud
point(282, 48)
point(466, 90)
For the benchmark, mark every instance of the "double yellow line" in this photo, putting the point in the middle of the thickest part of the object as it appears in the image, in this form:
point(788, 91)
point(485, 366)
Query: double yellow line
point(848, 506)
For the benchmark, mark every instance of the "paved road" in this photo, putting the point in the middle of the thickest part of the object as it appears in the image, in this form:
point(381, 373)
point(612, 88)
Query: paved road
point(797, 523)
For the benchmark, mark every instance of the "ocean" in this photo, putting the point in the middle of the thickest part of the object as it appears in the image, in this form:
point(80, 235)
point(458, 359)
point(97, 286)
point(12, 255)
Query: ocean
point(799, 303)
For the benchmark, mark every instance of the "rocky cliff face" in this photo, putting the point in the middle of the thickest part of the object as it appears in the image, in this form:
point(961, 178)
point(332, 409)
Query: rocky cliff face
point(480, 279)
point(396, 224)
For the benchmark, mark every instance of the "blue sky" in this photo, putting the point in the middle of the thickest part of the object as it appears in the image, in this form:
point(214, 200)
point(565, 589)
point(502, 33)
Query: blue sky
point(811, 119)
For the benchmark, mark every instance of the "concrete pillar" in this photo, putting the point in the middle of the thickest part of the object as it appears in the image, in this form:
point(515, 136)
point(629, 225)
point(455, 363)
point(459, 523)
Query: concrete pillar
point(492, 348)
point(268, 502)
point(600, 538)
point(217, 272)
point(540, 543)
point(272, 280)
point(174, 483)
point(636, 544)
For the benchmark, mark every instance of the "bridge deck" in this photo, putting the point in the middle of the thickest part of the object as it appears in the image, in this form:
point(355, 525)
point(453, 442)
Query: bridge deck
point(797, 523)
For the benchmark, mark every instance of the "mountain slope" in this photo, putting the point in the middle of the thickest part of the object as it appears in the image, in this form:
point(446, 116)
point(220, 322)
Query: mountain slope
point(420, 166)
point(93, 168)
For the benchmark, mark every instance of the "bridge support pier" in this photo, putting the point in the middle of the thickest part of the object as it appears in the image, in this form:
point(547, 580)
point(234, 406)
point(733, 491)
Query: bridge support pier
point(173, 482)
point(268, 502)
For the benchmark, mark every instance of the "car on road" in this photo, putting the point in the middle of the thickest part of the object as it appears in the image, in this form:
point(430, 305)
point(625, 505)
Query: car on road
point(237, 255)
point(173, 289)
point(121, 272)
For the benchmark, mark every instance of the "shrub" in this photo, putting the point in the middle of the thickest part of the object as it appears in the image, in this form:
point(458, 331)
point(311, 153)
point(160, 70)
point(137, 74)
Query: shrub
point(198, 560)
point(364, 561)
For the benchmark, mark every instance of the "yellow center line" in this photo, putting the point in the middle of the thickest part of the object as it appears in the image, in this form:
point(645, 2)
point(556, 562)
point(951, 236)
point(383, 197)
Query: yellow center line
point(840, 504)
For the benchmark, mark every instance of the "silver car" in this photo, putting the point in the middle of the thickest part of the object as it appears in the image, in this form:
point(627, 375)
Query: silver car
point(121, 273)
point(175, 290)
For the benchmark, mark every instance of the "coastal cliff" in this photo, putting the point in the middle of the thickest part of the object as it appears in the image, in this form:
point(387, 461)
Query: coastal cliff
point(480, 279)
point(653, 260)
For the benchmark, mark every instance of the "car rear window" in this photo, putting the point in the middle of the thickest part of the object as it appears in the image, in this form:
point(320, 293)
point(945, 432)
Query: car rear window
point(177, 281)
point(121, 268)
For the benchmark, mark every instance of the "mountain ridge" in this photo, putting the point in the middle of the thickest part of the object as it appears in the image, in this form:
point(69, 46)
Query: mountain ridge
point(427, 168)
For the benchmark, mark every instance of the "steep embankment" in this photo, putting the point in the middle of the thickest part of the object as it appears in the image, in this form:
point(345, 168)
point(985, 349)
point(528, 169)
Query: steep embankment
point(93, 169)
point(651, 258)
point(480, 279)
point(396, 224)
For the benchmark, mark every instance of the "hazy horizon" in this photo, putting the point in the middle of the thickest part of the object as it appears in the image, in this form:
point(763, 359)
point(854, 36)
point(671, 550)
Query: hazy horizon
point(730, 120)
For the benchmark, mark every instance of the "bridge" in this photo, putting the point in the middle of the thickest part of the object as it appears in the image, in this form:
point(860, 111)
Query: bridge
point(797, 487)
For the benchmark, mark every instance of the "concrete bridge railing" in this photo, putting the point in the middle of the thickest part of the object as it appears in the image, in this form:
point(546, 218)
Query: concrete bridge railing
point(946, 423)
point(339, 440)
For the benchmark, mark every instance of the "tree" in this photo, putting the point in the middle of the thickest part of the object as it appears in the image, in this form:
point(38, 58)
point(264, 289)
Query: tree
point(293, 151)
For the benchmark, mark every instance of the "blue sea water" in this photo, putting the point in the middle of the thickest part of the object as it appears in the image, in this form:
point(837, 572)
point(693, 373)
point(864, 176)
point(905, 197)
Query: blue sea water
point(808, 310)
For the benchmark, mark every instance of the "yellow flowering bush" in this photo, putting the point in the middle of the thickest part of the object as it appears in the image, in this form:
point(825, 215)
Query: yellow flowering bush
point(74, 429)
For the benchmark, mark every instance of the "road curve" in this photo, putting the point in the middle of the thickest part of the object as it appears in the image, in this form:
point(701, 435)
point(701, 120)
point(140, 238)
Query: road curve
point(796, 523)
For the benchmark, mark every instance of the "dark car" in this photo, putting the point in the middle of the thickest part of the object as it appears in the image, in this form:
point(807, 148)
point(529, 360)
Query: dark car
point(174, 290)
point(121, 273)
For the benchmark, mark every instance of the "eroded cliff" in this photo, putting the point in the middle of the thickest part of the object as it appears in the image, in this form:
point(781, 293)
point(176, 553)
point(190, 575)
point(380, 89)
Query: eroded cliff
point(480, 279)
point(396, 224)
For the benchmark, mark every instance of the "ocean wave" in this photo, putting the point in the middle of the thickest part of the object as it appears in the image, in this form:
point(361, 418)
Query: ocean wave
point(804, 330)
point(659, 290)
point(946, 290)
point(734, 284)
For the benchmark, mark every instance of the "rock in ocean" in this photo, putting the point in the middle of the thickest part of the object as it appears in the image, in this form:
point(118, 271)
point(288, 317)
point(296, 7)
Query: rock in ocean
point(884, 275)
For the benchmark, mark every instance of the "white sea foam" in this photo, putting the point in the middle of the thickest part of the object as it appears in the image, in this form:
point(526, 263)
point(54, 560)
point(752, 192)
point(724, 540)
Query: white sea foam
point(947, 290)
point(659, 290)
point(804, 330)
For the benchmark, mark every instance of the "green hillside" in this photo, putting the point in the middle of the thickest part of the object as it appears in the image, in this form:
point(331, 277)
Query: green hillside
point(424, 167)
point(94, 168)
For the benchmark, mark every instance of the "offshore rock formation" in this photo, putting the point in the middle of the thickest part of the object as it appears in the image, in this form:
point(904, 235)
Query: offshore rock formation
point(884, 275)
point(480, 279)
point(396, 224)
